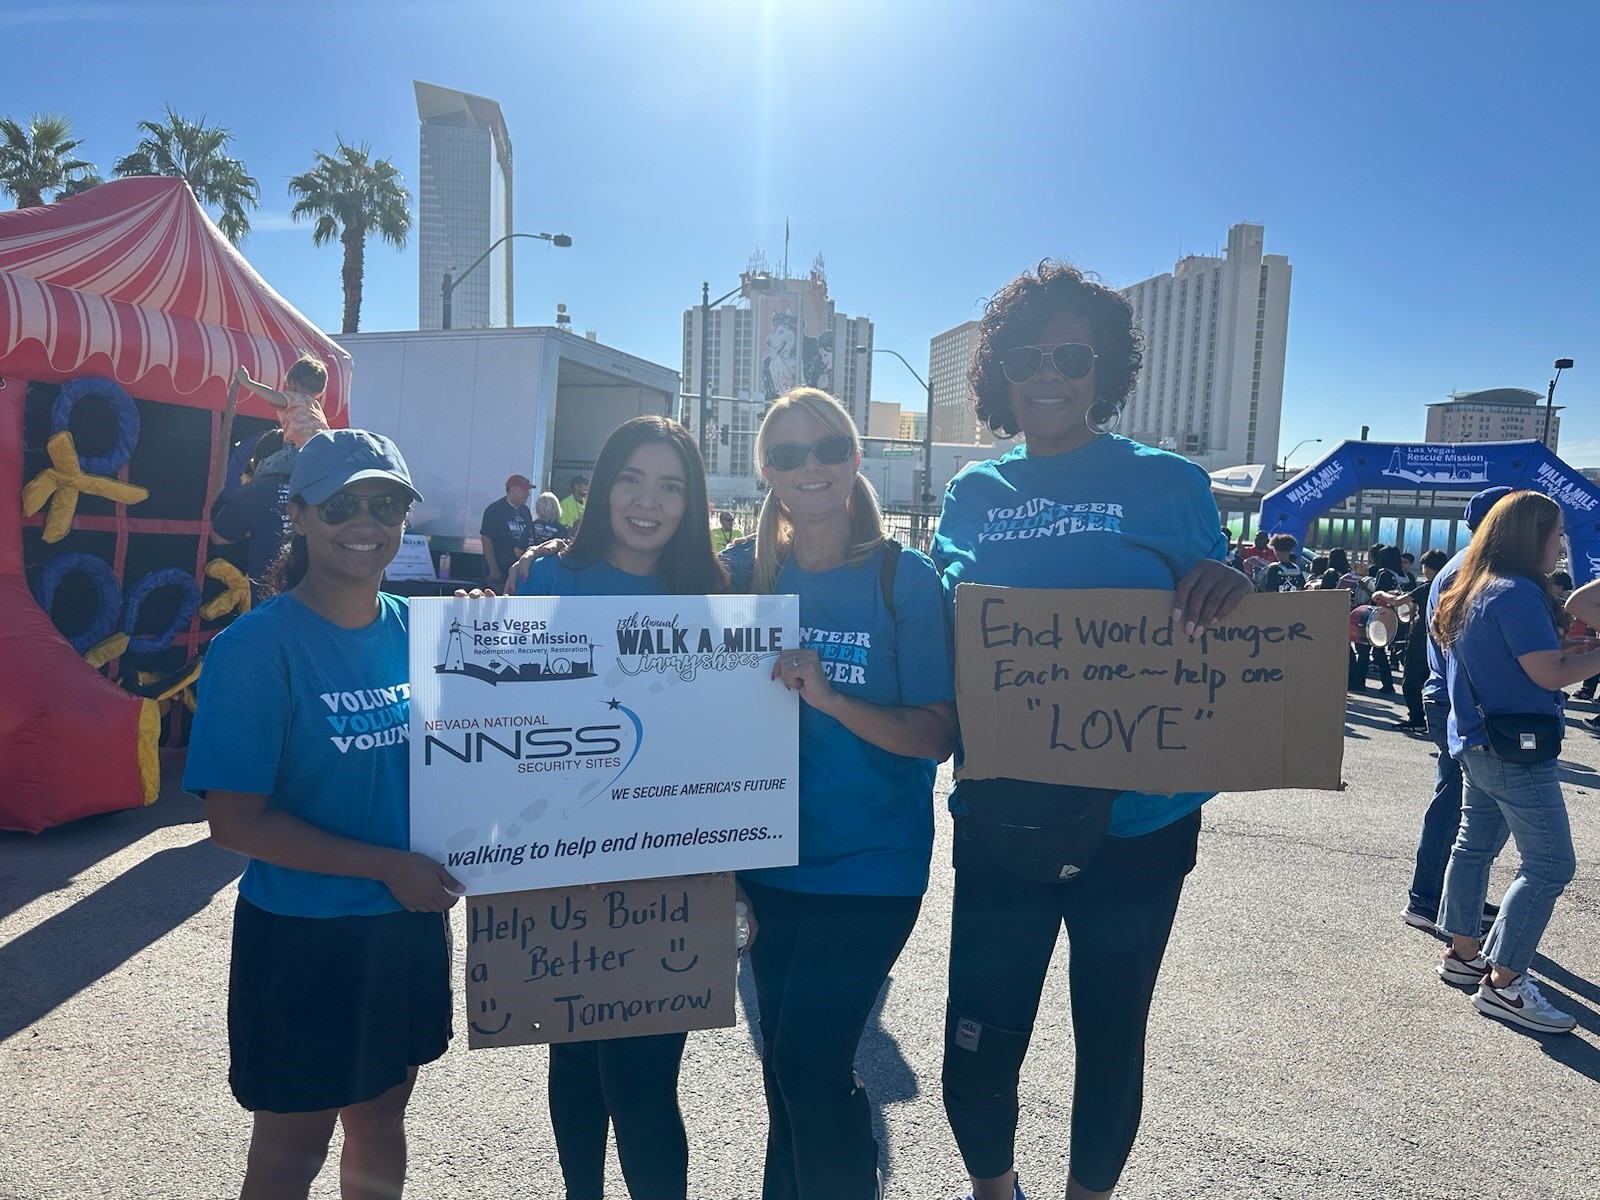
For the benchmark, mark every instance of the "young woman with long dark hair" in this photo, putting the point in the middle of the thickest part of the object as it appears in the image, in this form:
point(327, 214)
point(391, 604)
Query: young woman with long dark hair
point(878, 712)
point(1500, 625)
point(339, 987)
point(643, 534)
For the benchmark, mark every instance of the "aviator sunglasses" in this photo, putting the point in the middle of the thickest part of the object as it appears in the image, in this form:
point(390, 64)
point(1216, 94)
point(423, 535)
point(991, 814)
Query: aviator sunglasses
point(386, 508)
point(829, 452)
point(1073, 360)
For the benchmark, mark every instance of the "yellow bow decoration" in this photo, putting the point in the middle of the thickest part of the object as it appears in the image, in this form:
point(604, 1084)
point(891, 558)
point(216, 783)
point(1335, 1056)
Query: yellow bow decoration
point(60, 484)
point(114, 646)
point(150, 714)
point(235, 597)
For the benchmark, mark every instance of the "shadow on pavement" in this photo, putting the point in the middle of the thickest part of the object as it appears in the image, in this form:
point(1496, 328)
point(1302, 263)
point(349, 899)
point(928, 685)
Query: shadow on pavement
point(879, 1062)
point(1582, 1056)
point(36, 864)
point(59, 957)
point(885, 1071)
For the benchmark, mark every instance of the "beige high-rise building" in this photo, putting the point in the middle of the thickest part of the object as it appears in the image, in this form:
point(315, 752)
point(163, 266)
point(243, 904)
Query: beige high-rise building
point(777, 334)
point(1215, 334)
point(949, 356)
point(1493, 415)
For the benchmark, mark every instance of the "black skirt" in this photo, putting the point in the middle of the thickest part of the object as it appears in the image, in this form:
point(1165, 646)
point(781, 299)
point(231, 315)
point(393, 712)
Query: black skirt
point(325, 1012)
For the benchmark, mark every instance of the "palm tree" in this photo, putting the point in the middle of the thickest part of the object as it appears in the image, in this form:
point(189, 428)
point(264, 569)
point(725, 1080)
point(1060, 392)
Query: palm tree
point(37, 158)
point(351, 196)
point(197, 153)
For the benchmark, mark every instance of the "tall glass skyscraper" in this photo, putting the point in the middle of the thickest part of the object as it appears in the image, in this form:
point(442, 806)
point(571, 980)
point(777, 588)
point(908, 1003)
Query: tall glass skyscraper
point(463, 207)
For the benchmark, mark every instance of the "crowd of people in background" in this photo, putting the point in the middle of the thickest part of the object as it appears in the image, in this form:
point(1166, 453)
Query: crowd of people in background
point(1497, 621)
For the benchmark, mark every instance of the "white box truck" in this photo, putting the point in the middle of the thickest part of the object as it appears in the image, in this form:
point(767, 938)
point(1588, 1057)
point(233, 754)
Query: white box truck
point(470, 407)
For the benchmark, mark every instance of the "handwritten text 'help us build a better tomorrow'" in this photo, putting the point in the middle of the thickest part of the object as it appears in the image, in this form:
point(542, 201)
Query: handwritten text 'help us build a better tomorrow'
point(1102, 688)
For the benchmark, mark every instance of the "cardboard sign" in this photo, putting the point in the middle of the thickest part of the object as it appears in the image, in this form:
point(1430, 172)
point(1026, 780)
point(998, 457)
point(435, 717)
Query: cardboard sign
point(1099, 688)
point(584, 739)
point(581, 964)
point(413, 560)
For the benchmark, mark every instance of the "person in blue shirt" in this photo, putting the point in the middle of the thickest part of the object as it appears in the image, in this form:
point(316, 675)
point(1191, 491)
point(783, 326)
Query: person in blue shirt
point(256, 512)
point(339, 987)
point(1443, 815)
point(633, 541)
point(878, 713)
point(1500, 625)
point(1075, 506)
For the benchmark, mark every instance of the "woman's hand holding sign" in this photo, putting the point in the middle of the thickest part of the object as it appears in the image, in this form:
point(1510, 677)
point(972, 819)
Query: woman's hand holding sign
point(801, 671)
point(1209, 592)
point(419, 883)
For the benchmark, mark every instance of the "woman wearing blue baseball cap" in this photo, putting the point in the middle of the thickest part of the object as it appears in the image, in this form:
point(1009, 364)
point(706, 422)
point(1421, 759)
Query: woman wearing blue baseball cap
point(339, 985)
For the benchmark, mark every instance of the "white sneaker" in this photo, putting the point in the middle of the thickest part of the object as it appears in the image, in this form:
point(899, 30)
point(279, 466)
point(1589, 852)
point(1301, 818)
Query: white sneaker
point(1520, 1003)
point(1460, 971)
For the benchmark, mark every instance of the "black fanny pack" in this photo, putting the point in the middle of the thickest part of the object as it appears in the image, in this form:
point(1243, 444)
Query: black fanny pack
point(1039, 832)
point(1519, 737)
point(1523, 737)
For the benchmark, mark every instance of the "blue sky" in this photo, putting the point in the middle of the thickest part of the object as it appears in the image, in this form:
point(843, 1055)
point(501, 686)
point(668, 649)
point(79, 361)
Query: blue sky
point(1430, 169)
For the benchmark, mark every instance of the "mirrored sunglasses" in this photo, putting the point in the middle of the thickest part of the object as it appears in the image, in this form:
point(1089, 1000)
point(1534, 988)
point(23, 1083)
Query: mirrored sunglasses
point(828, 451)
point(1072, 360)
point(386, 509)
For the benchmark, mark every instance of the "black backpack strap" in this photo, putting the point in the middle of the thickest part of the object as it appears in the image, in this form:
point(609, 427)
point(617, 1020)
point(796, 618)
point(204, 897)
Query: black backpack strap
point(890, 564)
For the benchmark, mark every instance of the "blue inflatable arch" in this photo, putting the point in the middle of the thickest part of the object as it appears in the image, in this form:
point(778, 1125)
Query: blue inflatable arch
point(1428, 466)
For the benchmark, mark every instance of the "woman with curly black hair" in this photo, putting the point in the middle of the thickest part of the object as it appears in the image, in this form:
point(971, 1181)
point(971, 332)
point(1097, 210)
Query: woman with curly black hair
point(1075, 506)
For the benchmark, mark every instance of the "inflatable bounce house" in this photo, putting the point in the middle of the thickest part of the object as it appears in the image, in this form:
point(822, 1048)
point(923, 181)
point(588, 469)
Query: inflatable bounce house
point(123, 315)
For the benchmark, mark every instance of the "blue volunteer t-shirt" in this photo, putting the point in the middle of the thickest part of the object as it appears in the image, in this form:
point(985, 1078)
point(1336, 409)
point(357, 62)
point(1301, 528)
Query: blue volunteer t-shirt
point(866, 815)
point(1509, 617)
point(259, 511)
point(552, 575)
point(1112, 514)
point(316, 717)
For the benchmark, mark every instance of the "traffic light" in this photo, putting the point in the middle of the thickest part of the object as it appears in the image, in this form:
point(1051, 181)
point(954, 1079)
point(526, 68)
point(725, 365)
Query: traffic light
point(722, 435)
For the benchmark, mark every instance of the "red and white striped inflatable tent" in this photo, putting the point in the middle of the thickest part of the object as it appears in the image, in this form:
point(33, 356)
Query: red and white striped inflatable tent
point(123, 314)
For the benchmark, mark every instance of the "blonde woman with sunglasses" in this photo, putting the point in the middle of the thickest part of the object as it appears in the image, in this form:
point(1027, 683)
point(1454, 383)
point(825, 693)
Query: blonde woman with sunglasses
point(873, 673)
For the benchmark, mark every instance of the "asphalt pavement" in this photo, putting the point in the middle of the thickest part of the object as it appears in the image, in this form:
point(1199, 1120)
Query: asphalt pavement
point(1300, 1046)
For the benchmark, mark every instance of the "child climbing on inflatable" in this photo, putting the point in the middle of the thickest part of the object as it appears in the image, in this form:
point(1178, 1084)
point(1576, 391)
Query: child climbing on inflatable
point(299, 406)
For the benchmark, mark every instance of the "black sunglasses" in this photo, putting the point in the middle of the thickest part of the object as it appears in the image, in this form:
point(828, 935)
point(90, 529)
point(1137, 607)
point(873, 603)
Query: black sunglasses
point(1073, 360)
point(386, 509)
point(829, 452)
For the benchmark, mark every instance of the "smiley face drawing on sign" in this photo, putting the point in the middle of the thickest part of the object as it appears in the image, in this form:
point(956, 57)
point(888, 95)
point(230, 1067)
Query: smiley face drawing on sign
point(676, 947)
point(488, 1006)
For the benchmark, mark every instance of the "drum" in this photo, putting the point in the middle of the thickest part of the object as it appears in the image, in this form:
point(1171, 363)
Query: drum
point(1372, 625)
point(1406, 611)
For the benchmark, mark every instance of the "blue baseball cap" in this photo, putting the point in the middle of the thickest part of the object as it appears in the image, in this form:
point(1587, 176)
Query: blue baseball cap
point(337, 457)
point(1478, 507)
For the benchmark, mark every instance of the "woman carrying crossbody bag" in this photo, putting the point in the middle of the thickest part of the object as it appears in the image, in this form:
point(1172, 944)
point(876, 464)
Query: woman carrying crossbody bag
point(1500, 627)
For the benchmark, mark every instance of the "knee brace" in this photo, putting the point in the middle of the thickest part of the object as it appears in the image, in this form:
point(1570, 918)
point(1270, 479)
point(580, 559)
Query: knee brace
point(982, 1064)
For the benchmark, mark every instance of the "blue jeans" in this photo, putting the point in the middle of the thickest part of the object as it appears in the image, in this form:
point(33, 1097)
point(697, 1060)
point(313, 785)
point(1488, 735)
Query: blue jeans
point(1523, 800)
point(1440, 822)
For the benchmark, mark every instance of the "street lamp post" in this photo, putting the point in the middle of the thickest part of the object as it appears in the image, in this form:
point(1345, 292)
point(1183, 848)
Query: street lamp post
point(927, 432)
point(1284, 470)
point(1561, 364)
point(451, 280)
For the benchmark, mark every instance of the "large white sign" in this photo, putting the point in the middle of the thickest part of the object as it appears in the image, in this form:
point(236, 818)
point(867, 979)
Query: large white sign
point(587, 739)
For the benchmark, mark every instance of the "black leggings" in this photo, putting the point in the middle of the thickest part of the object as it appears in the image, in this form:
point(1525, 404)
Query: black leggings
point(1118, 915)
point(819, 963)
point(631, 1083)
